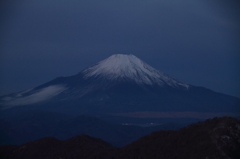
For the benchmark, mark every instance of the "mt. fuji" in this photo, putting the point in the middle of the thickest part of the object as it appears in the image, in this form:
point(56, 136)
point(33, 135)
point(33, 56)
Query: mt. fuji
point(122, 85)
point(130, 68)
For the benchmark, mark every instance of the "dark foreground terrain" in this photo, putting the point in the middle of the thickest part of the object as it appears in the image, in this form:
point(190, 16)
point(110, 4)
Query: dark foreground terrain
point(213, 138)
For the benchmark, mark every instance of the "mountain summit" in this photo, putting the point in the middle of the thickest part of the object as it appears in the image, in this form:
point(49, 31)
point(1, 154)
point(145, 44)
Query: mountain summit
point(122, 85)
point(129, 67)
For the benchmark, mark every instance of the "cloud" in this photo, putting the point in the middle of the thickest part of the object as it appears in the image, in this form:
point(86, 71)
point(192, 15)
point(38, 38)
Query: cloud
point(42, 95)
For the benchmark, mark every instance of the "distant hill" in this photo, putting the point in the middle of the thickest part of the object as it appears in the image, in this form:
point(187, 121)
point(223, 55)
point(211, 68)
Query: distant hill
point(213, 138)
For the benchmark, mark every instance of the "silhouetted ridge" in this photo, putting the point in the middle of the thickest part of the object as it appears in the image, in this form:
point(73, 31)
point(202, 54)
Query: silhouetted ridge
point(215, 138)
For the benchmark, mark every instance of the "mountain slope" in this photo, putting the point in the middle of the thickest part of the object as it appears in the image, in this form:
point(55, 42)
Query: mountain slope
point(214, 138)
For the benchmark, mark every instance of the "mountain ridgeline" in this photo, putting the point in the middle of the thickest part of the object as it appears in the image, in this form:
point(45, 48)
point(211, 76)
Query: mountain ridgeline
point(122, 86)
point(213, 138)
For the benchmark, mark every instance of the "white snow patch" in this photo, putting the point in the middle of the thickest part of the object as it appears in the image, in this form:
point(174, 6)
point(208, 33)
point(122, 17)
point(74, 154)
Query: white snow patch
point(130, 67)
point(42, 95)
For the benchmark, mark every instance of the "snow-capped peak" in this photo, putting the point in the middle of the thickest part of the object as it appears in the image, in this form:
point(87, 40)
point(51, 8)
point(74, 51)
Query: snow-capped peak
point(129, 67)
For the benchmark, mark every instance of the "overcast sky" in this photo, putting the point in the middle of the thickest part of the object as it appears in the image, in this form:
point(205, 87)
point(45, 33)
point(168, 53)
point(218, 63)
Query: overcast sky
point(194, 41)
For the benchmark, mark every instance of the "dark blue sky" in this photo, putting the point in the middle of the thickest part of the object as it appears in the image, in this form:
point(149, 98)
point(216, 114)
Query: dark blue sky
point(194, 41)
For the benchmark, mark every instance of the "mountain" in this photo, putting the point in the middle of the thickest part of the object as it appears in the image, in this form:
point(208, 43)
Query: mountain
point(122, 86)
point(213, 138)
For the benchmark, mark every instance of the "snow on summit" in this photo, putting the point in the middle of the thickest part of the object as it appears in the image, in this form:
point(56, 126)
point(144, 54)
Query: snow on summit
point(119, 66)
